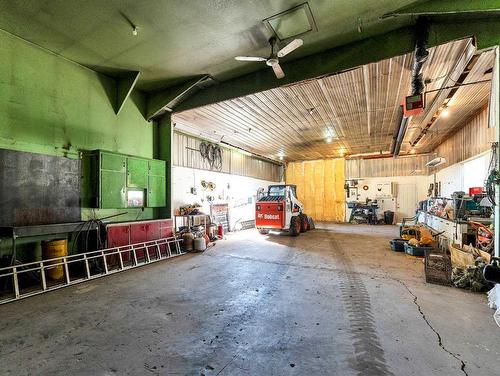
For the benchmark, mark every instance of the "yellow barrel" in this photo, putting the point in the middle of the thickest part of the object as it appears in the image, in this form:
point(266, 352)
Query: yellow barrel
point(52, 249)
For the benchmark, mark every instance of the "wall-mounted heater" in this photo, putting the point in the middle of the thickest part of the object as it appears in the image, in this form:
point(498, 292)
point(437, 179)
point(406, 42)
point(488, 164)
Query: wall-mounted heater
point(436, 162)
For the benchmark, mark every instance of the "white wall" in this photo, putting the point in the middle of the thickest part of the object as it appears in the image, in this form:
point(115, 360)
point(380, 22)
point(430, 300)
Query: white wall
point(464, 175)
point(419, 184)
point(458, 177)
point(238, 191)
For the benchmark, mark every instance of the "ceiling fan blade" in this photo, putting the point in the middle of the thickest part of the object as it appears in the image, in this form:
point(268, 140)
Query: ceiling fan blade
point(250, 58)
point(278, 71)
point(293, 45)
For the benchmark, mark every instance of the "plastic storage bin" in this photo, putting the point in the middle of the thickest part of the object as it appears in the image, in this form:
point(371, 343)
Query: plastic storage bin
point(416, 251)
point(398, 244)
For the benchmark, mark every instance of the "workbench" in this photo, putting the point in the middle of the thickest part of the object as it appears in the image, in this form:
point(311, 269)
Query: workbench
point(455, 230)
point(191, 220)
point(15, 232)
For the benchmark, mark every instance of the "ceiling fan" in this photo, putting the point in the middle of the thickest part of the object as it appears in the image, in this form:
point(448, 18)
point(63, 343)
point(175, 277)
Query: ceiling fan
point(273, 59)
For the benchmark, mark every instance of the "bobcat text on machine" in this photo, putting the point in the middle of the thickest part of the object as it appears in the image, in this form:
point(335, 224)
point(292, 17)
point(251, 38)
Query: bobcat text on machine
point(280, 210)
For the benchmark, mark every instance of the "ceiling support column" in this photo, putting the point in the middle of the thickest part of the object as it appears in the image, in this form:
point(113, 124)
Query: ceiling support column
point(162, 149)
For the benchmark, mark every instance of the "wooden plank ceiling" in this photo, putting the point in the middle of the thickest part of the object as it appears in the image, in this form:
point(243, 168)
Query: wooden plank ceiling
point(342, 114)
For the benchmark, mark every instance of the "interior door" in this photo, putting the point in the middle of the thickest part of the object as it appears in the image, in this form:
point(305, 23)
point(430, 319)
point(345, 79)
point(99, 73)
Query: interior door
point(406, 201)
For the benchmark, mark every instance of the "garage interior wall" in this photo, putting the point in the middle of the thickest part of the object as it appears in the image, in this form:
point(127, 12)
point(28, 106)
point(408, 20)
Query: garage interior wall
point(186, 154)
point(467, 153)
point(236, 184)
point(239, 192)
point(52, 106)
point(320, 187)
point(471, 140)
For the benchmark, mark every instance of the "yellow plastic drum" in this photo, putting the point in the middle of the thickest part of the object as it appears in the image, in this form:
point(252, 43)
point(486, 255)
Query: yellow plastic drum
point(52, 249)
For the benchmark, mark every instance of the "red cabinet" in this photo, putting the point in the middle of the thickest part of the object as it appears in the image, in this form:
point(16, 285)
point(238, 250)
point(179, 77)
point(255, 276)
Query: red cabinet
point(127, 233)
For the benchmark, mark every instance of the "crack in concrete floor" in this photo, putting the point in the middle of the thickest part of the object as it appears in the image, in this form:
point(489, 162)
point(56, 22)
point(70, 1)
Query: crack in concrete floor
point(440, 339)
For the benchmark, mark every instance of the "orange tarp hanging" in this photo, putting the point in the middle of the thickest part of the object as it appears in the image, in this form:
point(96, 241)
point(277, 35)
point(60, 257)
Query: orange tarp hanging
point(320, 187)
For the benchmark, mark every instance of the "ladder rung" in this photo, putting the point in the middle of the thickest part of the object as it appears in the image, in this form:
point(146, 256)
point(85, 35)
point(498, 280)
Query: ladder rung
point(41, 266)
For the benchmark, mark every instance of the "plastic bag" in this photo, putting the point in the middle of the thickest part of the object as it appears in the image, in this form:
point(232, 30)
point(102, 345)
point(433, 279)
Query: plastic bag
point(492, 298)
point(494, 302)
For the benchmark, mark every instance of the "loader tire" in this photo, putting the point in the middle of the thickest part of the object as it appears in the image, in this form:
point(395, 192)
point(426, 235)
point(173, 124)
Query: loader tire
point(295, 225)
point(304, 223)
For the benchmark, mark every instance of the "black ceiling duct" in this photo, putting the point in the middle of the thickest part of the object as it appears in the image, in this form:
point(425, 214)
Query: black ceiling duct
point(421, 55)
point(417, 81)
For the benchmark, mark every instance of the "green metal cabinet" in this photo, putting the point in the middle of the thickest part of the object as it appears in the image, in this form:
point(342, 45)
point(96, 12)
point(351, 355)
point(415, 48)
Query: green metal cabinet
point(137, 173)
point(108, 177)
point(157, 184)
point(112, 181)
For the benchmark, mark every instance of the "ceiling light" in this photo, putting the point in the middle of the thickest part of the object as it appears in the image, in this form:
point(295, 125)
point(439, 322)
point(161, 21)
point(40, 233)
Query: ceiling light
point(436, 162)
point(328, 140)
point(445, 112)
point(281, 157)
point(134, 31)
point(412, 151)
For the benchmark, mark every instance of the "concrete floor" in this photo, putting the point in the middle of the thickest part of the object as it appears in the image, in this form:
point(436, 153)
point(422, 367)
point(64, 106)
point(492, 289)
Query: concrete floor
point(334, 301)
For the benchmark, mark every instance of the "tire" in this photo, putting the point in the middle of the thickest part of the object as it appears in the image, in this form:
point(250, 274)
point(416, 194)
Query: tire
point(303, 223)
point(263, 231)
point(311, 223)
point(295, 225)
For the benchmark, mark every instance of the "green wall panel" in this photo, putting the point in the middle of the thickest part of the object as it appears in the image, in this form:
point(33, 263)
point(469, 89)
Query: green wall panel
point(49, 104)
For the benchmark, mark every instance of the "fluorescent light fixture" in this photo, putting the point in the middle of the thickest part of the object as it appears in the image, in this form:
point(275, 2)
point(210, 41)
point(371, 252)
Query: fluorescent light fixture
point(436, 162)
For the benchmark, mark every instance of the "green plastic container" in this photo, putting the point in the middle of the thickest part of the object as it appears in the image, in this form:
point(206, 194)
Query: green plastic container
point(416, 251)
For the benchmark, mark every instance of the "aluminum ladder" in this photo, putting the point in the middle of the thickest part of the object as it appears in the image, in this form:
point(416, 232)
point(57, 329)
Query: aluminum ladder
point(83, 267)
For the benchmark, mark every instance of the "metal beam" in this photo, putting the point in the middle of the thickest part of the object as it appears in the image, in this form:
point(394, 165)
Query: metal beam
point(447, 7)
point(124, 87)
point(165, 101)
point(393, 43)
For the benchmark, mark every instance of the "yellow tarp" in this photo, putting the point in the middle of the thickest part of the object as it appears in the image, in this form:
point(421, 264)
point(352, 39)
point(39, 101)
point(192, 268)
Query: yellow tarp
point(320, 187)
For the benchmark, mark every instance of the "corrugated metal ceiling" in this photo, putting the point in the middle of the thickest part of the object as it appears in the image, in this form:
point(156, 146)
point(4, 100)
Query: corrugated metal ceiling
point(356, 108)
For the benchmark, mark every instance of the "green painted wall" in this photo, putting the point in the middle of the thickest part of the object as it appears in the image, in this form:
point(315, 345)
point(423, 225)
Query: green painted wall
point(53, 106)
point(163, 150)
